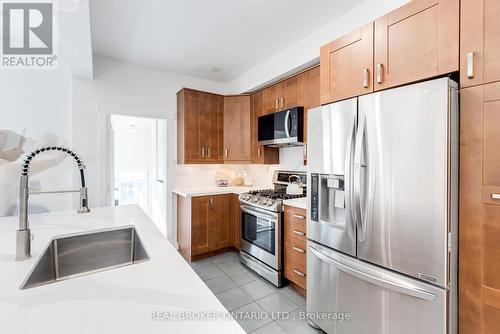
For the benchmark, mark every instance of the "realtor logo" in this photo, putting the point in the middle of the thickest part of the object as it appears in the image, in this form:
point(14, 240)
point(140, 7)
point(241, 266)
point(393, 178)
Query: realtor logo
point(27, 33)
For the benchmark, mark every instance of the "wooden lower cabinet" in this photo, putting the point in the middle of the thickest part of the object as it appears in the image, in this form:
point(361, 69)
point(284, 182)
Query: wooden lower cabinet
point(206, 224)
point(295, 247)
point(479, 267)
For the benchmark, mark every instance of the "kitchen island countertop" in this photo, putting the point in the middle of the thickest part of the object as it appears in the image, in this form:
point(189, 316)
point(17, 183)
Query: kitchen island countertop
point(147, 297)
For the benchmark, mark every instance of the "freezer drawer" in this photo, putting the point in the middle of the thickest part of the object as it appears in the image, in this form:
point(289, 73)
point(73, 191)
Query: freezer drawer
point(378, 301)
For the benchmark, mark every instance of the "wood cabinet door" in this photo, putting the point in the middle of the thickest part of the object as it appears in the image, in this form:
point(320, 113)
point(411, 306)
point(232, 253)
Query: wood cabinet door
point(416, 41)
point(201, 218)
point(237, 128)
point(211, 128)
point(236, 216)
point(222, 228)
point(193, 105)
point(479, 42)
point(272, 98)
point(479, 268)
point(347, 66)
point(256, 105)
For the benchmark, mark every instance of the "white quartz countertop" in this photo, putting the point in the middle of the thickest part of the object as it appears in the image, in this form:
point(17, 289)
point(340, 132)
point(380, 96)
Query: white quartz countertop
point(123, 300)
point(206, 191)
point(297, 202)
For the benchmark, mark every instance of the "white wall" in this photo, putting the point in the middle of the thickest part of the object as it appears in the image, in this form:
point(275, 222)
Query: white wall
point(39, 102)
point(306, 51)
point(129, 90)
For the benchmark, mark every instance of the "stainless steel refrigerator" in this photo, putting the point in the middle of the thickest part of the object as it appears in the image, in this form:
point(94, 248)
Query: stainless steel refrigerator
point(383, 212)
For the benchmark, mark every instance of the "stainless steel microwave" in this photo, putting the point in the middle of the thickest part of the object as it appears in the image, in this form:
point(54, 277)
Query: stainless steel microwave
point(282, 128)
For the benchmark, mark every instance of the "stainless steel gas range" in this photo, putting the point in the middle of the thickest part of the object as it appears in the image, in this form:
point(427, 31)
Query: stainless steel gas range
point(262, 227)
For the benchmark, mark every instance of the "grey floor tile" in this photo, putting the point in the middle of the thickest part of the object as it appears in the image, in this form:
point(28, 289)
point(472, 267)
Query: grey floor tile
point(270, 328)
point(243, 276)
point(259, 289)
point(293, 295)
point(200, 264)
point(220, 284)
point(251, 317)
point(233, 298)
point(230, 266)
point(224, 257)
point(297, 324)
point(209, 272)
point(276, 302)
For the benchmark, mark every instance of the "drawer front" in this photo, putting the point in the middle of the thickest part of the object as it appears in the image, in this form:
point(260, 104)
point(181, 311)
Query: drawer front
point(295, 261)
point(295, 223)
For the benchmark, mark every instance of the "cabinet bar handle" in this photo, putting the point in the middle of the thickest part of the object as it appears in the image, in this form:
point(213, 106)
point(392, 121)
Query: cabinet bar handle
point(299, 217)
point(211, 202)
point(282, 102)
point(299, 233)
point(299, 272)
point(495, 196)
point(366, 75)
point(226, 153)
point(276, 107)
point(258, 152)
point(209, 152)
point(380, 67)
point(470, 65)
point(203, 152)
point(297, 249)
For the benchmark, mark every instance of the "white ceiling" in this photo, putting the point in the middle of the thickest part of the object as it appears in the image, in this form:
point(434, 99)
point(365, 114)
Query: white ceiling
point(190, 36)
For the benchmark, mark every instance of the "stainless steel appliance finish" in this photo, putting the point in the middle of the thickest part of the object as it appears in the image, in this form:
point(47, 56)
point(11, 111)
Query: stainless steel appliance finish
point(83, 254)
point(261, 245)
point(330, 158)
point(23, 237)
point(401, 198)
point(377, 300)
point(407, 140)
point(282, 128)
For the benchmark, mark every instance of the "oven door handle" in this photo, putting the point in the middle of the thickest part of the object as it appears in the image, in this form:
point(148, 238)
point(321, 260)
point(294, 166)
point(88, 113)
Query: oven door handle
point(259, 213)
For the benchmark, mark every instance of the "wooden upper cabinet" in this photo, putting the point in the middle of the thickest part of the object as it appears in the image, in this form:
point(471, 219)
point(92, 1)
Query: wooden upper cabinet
point(237, 128)
point(259, 154)
point(199, 127)
point(314, 87)
point(347, 66)
point(272, 98)
point(416, 41)
point(211, 131)
point(479, 40)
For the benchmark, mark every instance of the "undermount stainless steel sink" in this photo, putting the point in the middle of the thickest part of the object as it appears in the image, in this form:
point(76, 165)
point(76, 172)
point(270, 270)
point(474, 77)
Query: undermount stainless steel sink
point(84, 254)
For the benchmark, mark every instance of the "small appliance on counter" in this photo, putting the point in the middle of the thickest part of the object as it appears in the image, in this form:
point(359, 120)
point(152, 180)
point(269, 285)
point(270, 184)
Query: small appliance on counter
point(261, 246)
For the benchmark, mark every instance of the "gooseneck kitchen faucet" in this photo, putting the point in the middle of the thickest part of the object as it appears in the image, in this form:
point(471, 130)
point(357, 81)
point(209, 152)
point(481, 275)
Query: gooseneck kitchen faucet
point(23, 245)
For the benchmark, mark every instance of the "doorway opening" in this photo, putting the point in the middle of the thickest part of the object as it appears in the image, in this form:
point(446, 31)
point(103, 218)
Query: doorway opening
point(139, 164)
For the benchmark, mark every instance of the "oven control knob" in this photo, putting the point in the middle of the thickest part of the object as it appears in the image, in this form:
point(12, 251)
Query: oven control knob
point(256, 199)
point(264, 202)
point(270, 203)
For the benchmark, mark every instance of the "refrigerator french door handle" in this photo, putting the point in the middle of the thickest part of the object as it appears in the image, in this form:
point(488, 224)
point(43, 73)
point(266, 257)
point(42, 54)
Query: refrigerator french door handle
point(351, 226)
point(287, 122)
point(357, 170)
point(352, 268)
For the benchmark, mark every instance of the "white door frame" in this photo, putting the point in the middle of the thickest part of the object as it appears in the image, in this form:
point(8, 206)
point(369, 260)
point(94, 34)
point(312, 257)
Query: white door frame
point(105, 173)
